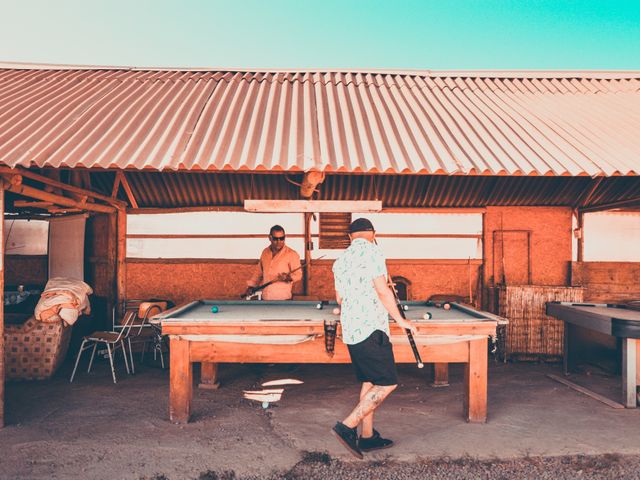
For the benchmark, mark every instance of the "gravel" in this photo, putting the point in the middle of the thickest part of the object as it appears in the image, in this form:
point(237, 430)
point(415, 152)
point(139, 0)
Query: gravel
point(317, 465)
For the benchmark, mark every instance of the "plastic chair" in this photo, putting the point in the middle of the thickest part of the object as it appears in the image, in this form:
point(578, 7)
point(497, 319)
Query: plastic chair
point(112, 340)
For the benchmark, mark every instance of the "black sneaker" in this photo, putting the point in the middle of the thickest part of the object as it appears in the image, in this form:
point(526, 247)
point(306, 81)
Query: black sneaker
point(348, 437)
point(375, 442)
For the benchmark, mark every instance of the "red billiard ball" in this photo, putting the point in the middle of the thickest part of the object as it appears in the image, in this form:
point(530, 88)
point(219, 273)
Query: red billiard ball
point(446, 306)
point(336, 311)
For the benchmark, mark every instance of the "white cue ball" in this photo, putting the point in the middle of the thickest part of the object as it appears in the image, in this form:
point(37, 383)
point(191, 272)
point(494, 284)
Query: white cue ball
point(336, 311)
point(319, 306)
point(405, 307)
point(426, 316)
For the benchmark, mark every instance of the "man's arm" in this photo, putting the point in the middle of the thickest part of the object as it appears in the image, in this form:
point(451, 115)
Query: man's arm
point(389, 302)
point(295, 263)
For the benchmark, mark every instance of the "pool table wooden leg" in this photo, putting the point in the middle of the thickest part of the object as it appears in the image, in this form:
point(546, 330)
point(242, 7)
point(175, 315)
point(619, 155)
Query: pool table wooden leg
point(475, 382)
point(440, 375)
point(209, 376)
point(180, 382)
point(629, 365)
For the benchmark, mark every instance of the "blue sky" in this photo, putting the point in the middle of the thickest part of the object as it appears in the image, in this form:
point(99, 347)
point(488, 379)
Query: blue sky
point(445, 34)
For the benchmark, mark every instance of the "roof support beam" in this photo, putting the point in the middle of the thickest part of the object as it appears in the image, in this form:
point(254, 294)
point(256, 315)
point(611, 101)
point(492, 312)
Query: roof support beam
point(588, 194)
point(54, 183)
point(312, 206)
point(631, 202)
point(127, 188)
point(13, 183)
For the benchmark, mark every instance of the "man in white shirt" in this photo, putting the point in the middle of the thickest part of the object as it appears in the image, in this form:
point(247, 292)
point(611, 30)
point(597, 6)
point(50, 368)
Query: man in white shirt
point(366, 301)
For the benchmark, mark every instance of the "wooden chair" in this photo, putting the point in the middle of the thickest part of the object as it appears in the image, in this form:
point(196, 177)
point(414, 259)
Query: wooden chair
point(112, 340)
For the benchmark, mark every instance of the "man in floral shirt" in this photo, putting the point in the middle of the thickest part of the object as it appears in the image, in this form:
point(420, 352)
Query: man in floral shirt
point(366, 301)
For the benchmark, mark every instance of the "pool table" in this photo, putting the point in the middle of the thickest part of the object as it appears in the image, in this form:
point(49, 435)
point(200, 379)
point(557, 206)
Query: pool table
point(293, 331)
point(619, 323)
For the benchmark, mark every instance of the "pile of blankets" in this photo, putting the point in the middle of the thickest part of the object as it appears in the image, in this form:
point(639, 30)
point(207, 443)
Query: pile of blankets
point(64, 298)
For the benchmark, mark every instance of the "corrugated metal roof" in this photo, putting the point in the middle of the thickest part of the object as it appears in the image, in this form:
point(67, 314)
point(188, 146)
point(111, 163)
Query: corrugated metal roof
point(209, 189)
point(482, 123)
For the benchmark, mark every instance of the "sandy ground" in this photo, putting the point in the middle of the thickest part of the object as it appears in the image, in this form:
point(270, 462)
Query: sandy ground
point(92, 428)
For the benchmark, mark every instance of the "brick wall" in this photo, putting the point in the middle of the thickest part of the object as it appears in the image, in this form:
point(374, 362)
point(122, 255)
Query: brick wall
point(183, 281)
point(551, 244)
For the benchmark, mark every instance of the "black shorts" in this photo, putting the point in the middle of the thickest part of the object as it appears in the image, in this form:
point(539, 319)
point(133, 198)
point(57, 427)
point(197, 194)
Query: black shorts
point(373, 360)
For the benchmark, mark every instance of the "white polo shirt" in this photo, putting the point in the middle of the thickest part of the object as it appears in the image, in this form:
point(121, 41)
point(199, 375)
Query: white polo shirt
point(361, 311)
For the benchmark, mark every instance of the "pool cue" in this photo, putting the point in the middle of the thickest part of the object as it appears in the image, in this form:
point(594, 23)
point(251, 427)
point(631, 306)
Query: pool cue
point(265, 285)
point(412, 342)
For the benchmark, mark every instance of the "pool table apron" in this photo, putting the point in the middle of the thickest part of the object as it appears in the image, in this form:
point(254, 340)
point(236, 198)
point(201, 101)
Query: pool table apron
point(210, 350)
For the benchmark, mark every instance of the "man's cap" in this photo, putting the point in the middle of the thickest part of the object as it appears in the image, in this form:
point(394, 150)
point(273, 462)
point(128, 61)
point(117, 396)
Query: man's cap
point(361, 225)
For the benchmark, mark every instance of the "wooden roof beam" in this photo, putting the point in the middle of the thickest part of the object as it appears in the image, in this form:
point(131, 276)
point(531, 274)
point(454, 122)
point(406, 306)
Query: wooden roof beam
point(127, 188)
point(57, 184)
point(630, 203)
point(13, 183)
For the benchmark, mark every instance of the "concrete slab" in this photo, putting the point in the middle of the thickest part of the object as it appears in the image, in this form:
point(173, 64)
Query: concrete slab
point(92, 427)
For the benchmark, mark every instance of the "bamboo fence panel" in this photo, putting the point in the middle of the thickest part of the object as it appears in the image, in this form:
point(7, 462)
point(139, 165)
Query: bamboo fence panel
point(531, 334)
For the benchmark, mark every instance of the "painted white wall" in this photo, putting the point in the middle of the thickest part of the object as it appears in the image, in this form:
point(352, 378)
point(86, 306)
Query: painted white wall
point(243, 223)
point(612, 237)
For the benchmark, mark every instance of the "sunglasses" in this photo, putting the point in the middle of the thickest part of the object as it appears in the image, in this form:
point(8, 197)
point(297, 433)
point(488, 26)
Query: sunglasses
point(278, 239)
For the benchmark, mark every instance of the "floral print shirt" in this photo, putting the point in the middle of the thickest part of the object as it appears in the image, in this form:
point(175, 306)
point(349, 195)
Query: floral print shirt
point(361, 311)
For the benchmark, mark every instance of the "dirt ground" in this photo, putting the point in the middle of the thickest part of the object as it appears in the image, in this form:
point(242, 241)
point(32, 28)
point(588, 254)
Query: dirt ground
point(92, 428)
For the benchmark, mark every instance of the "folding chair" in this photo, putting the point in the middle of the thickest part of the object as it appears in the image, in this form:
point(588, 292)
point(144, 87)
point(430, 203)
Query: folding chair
point(112, 340)
point(145, 311)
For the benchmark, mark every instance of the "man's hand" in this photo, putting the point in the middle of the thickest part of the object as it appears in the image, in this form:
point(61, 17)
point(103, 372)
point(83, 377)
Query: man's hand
point(284, 277)
point(409, 326)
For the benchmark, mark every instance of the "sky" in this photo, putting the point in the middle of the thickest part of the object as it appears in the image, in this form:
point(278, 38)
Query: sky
point(325, 34)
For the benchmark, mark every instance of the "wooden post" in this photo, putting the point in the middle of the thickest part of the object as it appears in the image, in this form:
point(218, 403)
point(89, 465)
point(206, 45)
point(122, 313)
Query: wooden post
point(112, 263)
point(440, 375)
point(2, 307)
point(475, 382)
point(209, 376)
point(629, 364)
point(180, 381)
point(307, 253)
point(121, 255)
point(580, 256)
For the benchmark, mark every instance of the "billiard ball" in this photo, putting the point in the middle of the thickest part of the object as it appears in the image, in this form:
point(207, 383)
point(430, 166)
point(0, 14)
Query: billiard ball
point(427, 316)
point(319, 306)
point(405, 308)
point(215, 309)
point(446, 306)
point(336, 311)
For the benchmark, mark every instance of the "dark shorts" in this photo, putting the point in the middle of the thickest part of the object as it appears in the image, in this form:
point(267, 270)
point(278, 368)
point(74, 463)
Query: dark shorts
point(373, 360)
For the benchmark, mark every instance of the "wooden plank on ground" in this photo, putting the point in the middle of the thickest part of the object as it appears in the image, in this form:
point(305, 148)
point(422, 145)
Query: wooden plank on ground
point(586, 391)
